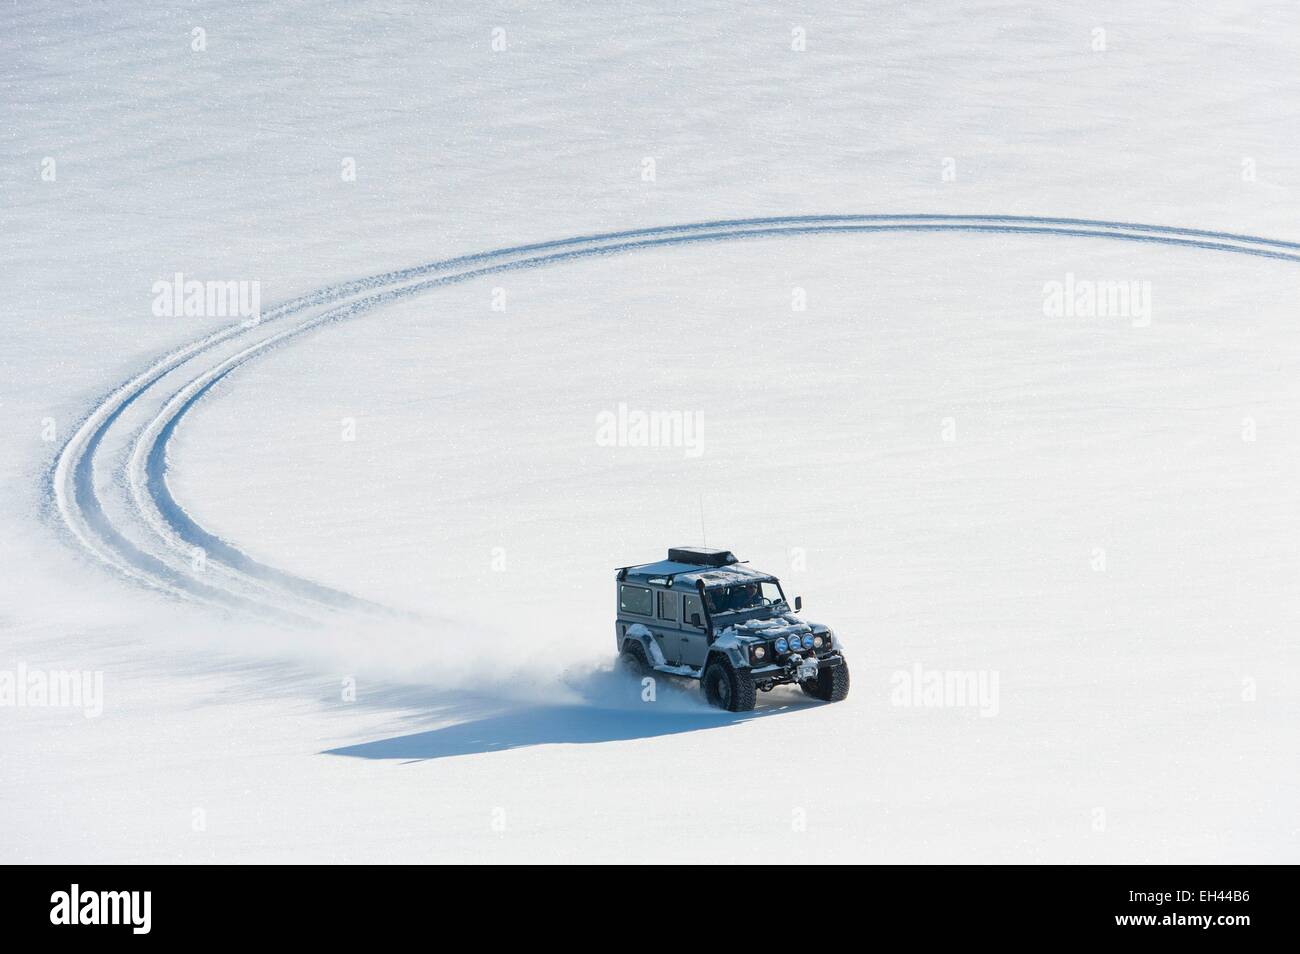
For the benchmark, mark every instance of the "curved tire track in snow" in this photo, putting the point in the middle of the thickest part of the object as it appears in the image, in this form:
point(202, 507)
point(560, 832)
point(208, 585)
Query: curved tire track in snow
point(152, 542)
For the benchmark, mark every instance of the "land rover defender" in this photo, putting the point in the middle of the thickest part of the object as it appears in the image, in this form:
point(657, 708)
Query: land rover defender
point(703, 614)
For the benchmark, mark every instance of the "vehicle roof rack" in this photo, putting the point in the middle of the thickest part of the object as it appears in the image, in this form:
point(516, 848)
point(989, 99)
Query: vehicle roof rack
point(699, 556)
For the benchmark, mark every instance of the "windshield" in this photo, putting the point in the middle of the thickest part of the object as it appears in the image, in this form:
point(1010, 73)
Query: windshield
point(742, 596)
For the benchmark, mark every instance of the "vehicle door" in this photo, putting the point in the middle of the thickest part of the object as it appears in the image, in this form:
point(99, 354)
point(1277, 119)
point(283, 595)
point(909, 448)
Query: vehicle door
point(667, 627)
point(694, 636)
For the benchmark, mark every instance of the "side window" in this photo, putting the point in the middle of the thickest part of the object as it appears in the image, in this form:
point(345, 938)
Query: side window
point(668, 606)
point(693, 608)
point(635, 600)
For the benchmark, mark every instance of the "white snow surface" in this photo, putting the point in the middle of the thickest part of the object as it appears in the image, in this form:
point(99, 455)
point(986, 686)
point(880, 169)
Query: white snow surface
point(1100, 511)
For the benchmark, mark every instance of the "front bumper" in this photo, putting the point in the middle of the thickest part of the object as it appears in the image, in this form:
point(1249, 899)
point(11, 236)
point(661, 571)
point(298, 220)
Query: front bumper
point(787, 670)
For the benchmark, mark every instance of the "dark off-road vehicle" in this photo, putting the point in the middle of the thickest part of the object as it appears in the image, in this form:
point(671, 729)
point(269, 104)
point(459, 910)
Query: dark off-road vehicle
point(705, 615)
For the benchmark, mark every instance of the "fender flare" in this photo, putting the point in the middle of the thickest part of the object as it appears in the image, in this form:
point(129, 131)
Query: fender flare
point(639, 633)
point(729, 646)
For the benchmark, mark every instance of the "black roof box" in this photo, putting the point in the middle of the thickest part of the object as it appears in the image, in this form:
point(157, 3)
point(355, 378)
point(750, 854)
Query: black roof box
point(698, 556)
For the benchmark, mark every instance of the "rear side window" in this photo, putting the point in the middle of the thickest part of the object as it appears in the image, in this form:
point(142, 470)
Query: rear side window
point(668, 606)
point(635, 600)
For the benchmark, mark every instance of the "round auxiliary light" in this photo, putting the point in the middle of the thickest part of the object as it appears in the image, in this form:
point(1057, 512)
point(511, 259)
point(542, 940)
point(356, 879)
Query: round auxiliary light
point(817, 642)
point(781, 645)
point(760, 652)
point(808, 641)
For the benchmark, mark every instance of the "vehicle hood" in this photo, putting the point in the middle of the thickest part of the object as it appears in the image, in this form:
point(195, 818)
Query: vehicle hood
point(772, 627)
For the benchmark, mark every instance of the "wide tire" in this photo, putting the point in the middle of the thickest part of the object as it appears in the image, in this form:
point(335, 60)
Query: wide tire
point(726, 687)
point(633, 660)
point(831, 685)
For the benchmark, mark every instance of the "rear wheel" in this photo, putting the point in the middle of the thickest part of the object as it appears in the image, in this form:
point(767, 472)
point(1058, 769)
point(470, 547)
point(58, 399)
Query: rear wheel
point(727, 687)
point(831, 685)
point(633, 660)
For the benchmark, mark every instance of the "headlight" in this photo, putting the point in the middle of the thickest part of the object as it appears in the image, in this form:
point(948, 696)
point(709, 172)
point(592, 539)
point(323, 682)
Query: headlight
point(817, 642)
point(808, 641)
point(760, 652)
point(781, 645)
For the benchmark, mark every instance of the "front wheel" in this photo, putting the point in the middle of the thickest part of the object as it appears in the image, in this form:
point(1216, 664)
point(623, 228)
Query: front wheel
point(831, 685)
point(727, 687)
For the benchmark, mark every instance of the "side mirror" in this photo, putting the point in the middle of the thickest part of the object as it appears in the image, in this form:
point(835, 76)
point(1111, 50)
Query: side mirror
point(695, 619)
point(798, 603)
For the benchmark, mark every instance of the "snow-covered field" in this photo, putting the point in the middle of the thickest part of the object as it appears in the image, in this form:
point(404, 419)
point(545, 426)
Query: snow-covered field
point(395, 644)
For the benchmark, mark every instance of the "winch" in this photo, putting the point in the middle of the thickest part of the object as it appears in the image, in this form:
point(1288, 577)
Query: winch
point(804, 669)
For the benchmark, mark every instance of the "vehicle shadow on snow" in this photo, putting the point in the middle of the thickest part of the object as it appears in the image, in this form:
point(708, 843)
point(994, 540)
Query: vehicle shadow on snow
point(595, 719)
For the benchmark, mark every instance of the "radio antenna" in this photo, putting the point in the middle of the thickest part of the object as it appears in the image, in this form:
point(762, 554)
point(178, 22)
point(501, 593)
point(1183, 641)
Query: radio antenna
point(704, 536)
